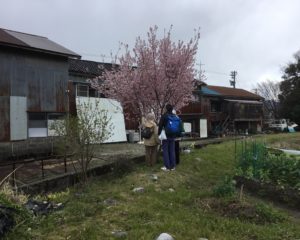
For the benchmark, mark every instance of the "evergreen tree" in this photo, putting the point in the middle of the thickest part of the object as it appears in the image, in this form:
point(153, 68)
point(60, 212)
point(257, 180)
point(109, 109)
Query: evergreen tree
point(290, 91)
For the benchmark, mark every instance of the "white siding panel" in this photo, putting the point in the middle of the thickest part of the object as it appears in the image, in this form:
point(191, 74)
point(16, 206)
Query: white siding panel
point(203, 128)
point(187, 127)
point(114, 111)
point(18, 118)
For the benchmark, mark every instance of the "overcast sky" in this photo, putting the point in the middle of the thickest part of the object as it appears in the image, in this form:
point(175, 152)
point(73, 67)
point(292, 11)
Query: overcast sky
point(254, 37)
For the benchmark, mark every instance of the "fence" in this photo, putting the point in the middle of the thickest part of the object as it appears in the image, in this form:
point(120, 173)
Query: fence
point(33, 169)
point(31, 160)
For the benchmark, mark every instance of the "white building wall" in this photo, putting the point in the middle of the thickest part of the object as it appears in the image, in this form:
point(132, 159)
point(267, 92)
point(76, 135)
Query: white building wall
point(114, 111)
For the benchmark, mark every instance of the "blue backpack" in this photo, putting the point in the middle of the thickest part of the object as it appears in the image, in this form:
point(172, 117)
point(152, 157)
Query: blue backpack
point(173, 126)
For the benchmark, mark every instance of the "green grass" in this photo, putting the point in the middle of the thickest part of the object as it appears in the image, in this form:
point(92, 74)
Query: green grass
point(191, 211)
point(287, 140)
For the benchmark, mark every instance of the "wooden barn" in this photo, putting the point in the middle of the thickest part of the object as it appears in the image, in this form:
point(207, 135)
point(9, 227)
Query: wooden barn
point(33, 84)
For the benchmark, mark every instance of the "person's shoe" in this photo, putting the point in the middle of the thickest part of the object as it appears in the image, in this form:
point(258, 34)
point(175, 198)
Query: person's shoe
point(165, 169)
point(172, 169)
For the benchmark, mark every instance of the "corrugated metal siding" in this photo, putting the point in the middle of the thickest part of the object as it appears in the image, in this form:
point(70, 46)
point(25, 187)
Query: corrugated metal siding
point(40, 77)
point(47, 82)
point(47, 88)
point(61, 92)
point(72, 98)
point(4, 119)
point(5, 75)
point(18, 80)
point(43, 80)
point(33, 87)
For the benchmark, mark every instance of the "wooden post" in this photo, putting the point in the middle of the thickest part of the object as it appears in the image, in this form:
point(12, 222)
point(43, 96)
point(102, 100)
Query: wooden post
point(42, 162)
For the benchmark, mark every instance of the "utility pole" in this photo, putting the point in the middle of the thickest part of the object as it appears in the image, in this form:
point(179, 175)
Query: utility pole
point(201, 76)
point(233, 77)
point(200, 66)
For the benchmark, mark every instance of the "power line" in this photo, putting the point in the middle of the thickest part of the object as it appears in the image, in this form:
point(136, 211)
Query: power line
point(200, 65)
point(214, 72)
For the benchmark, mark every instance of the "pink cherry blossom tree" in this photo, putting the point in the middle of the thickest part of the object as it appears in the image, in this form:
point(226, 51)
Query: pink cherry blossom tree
point(154, 73)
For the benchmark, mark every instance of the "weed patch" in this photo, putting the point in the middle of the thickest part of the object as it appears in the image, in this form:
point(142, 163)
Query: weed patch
point(257, 213)
point(107, 205)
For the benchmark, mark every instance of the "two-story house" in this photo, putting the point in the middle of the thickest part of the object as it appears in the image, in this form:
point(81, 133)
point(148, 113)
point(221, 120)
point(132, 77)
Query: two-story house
point(226, 110)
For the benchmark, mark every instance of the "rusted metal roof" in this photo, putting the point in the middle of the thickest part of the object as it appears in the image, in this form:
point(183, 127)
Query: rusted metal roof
point(232, 92)
point(88, 68)
point(33, 42)
point(244, 101)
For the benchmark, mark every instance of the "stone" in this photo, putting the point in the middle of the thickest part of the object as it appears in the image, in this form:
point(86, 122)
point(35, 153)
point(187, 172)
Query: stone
point(110, 202)
point(171, 190)
point(138, 190)
point(119, 234)
point(153, 177)
point(164, 236)
point(187, 151)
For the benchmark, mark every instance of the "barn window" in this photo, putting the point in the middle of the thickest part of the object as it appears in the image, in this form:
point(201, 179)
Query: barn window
point(37, 125)
point(82, 90)
point(87, 91)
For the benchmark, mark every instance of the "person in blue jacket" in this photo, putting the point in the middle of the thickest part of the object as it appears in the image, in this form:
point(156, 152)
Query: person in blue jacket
point(168, 145)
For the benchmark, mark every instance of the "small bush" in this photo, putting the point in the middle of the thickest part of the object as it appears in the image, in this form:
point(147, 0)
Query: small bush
point(226, 188)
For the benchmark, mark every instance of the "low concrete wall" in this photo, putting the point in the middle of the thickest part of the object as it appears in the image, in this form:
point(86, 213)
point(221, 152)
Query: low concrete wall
point(28, 148)
point(63, 181)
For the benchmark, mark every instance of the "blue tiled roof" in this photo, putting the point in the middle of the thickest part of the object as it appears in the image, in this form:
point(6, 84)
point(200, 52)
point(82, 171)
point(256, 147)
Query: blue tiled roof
point(205, 90)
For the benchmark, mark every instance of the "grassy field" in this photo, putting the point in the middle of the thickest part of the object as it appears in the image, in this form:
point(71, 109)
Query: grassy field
point(182, 203)
point(287, 141)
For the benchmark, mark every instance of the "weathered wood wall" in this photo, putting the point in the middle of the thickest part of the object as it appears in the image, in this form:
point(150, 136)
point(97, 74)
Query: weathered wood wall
point(42, 78)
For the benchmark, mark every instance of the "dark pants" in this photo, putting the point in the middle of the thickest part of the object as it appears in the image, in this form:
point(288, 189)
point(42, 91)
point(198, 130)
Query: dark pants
point(168, 147)
point(177, 152)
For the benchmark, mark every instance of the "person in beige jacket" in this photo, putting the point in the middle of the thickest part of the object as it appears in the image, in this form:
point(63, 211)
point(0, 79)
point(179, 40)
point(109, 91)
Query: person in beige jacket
point(152, 142)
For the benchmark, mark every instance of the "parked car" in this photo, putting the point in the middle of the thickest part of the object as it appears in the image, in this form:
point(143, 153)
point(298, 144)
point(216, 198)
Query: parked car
point(282, 125)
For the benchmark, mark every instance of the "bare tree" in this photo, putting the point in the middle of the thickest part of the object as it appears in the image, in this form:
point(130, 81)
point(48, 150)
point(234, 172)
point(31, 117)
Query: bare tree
point(270, 91)
point(80, 136)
